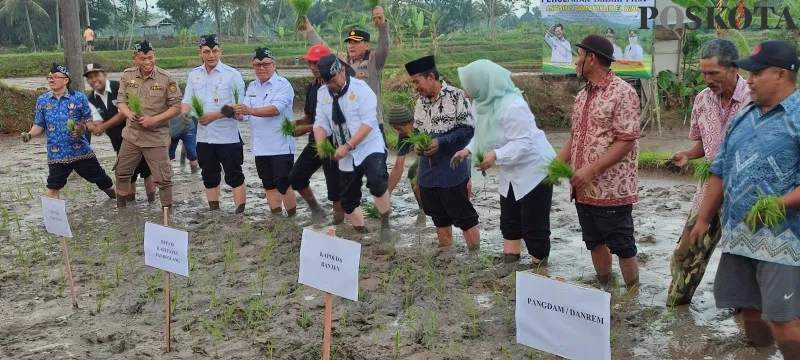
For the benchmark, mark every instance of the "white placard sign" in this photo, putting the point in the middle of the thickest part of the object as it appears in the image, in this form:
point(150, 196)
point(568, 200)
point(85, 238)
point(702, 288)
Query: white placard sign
point(166, 249)
point(330, 264)
point(563, 319)
point(55, 216)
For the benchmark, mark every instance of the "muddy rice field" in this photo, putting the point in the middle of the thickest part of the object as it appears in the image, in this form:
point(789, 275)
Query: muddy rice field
point(242, 299)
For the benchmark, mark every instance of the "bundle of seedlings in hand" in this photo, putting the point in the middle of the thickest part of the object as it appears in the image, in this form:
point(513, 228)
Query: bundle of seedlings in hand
point(235, 95)
point(766, 211)
point(479, 155)
point(197, 106)
point(135, 104)
point(702, 171)
point(71, 125)
point(301, 7)
point(371, 4)
point(288, 128)
point(325, 150)
point(419, 140)
point(558, 169)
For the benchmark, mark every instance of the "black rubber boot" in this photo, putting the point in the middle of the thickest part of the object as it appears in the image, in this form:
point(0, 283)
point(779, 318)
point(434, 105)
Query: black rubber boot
point(213, 205)
point(112, 194)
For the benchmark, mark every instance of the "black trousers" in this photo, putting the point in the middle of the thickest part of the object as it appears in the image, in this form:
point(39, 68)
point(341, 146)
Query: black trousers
point(307, 164)
point(88, 169)
point(213, 158)
point(374, 168)
point(273, 170)
point(528, 218)
point(449, 206)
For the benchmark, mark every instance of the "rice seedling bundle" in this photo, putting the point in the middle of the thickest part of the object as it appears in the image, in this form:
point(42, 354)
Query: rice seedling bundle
point(558, 169)
point(135, 104)
point(479, 156)
point(71, 125)
point(288, 128)
point(702, 171)
point(325, 149)
point(301, 7)
point(419, 140)
point(766, 211)
point(197, 106)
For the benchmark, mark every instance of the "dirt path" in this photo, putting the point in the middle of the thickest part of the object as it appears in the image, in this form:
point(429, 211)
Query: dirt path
point(242, 300)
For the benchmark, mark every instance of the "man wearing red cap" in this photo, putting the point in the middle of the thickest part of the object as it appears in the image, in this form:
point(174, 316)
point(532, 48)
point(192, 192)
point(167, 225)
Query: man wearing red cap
point(604, 152)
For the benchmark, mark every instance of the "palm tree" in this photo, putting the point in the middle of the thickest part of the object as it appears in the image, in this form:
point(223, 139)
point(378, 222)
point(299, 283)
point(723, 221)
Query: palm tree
point(14, 9)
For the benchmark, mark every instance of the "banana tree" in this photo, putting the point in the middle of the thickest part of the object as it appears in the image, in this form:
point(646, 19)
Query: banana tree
point(416, 24)
point(398, 16)
point(15, 10)
point(434, 19)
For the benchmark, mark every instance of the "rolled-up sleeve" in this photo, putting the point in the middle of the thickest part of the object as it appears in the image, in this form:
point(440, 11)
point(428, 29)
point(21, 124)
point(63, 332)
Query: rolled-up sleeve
point(625, 122)
point(284, 98)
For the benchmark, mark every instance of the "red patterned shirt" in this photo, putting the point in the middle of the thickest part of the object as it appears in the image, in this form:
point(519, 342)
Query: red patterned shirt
point(709, 118)
point(603, 114)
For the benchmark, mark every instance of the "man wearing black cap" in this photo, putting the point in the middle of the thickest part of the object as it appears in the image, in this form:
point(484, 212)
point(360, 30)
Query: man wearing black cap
point(346, 110)
point(104, 99)
point(219, 144)
point(269, 100)
point(604, 150)
point(443, 112)
point(146, 133)
point(758, 162)
point(367, 64)
point(61, 114)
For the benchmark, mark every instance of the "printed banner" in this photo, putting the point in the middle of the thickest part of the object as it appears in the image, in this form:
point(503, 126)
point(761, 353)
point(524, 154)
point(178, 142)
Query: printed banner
point(567, 22)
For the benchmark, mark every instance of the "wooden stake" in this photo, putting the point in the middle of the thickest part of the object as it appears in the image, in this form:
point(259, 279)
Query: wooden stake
point(167, 294)
point(64, 250)
point(326, 330)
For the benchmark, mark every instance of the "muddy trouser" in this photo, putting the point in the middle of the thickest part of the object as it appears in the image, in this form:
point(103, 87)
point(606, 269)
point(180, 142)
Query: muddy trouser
point(115, 136)
point(374, 168)
point(88, 169)
point(157, 160)
point(274, 170)
point(449, 206)
point(307, 164)
point(688, 271)
point(214, 158)
point(528, 218)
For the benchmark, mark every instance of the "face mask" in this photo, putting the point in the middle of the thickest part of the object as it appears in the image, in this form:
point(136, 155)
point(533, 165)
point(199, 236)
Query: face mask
point(632, 40)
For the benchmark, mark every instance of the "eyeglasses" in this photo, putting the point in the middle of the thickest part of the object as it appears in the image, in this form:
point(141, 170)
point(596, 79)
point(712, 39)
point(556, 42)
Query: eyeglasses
point(55, 77)
point(263, 65)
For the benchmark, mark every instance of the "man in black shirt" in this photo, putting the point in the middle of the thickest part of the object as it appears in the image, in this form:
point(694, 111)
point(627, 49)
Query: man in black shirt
point(104, 99)
point(308, 162)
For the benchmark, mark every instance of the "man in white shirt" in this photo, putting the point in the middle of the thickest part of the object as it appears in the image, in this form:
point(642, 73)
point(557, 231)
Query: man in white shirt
point(219, 144)
point(347, 110)
point(267, 102)
point(560, 48)
point(633, 51)
point(612, 37)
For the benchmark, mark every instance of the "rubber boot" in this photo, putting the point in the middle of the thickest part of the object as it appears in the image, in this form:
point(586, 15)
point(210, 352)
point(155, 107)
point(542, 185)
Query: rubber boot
point(313, 205)
point(276, 211)
point(386, 228)
point(122, 201)
point(213, 205)
point(151, 197)
point(291, 212)
point(131, 197)
point(239, 209)
point(112, 194)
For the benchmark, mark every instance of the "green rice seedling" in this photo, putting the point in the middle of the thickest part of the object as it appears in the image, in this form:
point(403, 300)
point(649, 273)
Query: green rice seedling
point(227, 314)
point(505, 352)
point(197, 107)
point(373, 3)
point(702, 171)
point(17, 221)
point(533, 354)
point(117, 274)
point(23, 261)
point(288, 128)
point(430, 325)
point(135, 104)
point(301, 7)
point(325, 150)
point(558, 169)
point(71, 125)
point(766, 211)
point(235, 95)
point(304, 323)
point(230, 258)
point(419, 140)
point(371, 211)
point(214, 302)
point(479, 155)
point(397, 342)
point(174, 299)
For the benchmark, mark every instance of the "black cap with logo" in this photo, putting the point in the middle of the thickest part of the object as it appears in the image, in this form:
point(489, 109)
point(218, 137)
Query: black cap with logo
point(92, 68)
point(770, 53)
point(358, 35)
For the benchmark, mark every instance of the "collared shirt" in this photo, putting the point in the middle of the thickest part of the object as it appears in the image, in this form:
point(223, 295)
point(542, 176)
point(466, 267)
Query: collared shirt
point(603, 114)
point(104, 95)
point(52, 115)
point(95, 114)
point(215, 90)
point(560, 49)
point(760, 154)
point(617, 52)
point(709, 118)
point(158, 92)
point(448, 119)
point(634, 52)
point(265, 132)
point(88, 35)
point(522, 149)
point(359, 107)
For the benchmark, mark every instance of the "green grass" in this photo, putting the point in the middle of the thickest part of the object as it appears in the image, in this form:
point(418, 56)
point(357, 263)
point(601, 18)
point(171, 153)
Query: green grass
point(135, 104)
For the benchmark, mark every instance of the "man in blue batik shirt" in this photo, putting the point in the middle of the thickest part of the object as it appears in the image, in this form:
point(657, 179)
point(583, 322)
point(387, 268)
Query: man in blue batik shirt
point(759, 270)
point(67, 149)
point(444, 112)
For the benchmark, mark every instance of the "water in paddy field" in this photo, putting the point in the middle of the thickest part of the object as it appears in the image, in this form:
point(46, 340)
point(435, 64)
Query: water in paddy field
point(246, 267)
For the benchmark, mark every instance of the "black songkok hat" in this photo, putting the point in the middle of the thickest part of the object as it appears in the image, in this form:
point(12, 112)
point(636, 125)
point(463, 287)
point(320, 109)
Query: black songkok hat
point(209, 40)
point(421, 65)
point(262, 53)
point(142, 46)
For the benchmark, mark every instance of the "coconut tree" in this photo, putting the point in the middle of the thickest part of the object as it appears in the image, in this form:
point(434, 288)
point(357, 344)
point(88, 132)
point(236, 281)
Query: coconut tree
point(14, 10)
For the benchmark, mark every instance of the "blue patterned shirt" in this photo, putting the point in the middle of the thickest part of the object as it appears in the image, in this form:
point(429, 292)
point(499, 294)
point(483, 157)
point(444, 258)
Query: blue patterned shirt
point(760, 153)
point(52, 115)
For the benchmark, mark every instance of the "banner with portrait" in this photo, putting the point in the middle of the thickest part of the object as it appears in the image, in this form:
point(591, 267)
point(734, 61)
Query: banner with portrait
point(567, 22)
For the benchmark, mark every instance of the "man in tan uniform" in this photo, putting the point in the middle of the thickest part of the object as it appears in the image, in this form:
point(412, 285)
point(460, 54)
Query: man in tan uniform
point(147, 134)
